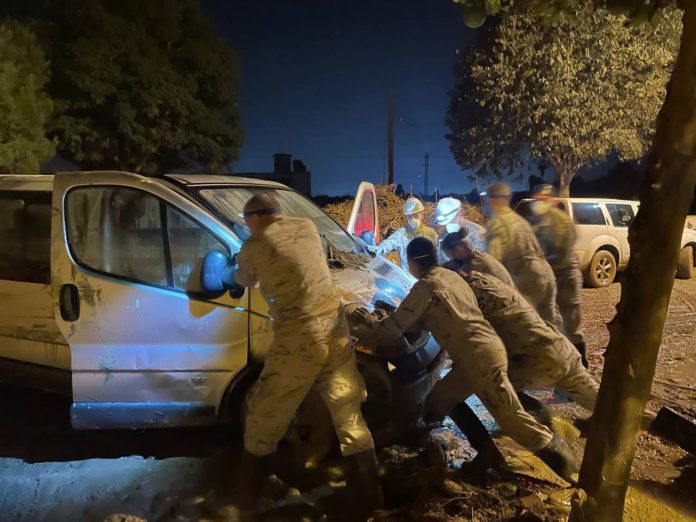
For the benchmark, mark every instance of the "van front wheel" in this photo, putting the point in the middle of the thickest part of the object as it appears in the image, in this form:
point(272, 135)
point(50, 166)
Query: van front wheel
point(602, 269)
point(685, 266)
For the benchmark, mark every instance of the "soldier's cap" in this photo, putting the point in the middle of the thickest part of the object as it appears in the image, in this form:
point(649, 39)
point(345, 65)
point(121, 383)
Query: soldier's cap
point(499, 190)
point(420, 249)
point(453, 239)
point(261, 205)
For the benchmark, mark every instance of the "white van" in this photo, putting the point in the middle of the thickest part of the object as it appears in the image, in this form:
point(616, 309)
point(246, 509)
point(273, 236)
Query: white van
point(101, 298)
point(602, 237)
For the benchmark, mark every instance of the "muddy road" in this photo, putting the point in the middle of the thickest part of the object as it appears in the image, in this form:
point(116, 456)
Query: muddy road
point(50, 472)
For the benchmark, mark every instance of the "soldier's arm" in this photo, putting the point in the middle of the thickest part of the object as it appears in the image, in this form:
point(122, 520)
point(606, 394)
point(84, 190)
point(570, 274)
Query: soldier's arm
point(408, 314)
point(245, 274)
point(392, 242)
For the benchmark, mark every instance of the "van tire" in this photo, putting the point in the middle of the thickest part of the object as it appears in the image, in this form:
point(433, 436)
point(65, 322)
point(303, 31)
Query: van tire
point(685, 265)
point(602, 269)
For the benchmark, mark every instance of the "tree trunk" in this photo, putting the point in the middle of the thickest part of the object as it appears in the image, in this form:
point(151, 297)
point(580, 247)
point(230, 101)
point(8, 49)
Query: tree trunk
point(564, 179)
point(636, 331)
point(563, 175)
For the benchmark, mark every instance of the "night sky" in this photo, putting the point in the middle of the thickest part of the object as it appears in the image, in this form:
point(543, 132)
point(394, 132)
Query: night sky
point(314, 81)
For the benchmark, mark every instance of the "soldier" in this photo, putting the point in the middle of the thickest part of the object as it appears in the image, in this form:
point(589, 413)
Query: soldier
point(556, 234)
point(538, 354)
point(448, 214)
point(444, 304)
point(465, 257)
point(311, 350)
point(511, 241)
point(399, 240)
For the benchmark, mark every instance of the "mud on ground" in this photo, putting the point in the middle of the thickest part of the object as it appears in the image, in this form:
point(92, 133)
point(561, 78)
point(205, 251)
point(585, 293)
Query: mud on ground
point(50, 472)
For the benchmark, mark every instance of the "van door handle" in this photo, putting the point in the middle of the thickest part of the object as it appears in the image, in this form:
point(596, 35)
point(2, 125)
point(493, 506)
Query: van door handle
point(69, 302)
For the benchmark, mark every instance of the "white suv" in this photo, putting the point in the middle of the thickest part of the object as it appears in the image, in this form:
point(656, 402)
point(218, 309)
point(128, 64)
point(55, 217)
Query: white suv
point(602, 237)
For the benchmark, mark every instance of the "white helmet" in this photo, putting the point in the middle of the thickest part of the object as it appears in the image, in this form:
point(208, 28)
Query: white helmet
point(446, 210)
point(413, 206)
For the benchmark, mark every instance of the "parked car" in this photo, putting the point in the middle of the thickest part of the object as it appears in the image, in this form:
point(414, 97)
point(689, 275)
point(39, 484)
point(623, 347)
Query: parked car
point(602, 237)
point(101, 298)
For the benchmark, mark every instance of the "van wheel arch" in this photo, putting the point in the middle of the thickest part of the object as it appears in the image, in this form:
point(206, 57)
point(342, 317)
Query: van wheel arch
point(231, 405)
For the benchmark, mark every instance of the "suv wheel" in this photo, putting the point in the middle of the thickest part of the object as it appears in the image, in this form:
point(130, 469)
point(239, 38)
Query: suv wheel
point(602, 269)
point(685, 266)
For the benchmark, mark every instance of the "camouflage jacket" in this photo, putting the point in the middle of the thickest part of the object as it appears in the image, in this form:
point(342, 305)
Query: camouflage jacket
point(287, 259)
point(481, 262)
point(556, 234)
point(513, 318)
point(443, 303)
point(511, 241)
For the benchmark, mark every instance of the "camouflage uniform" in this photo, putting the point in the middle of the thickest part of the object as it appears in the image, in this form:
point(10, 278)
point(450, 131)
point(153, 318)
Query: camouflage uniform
point(312, 347)
point(538, 354)
point(511, 241)
point(484, 263)
point(400, 239)
point(444, 304)
point(556, 234)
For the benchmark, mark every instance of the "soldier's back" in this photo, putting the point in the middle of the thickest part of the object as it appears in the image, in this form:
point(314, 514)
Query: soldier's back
point(292, 268)
point(516, 321)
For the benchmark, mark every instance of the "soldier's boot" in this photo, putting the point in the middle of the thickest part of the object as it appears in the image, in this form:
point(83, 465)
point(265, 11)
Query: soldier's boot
point(558, 456)
point(362, 481)
point(249, 480)
point(487, 453)
point(537, 409)
point(582, 348)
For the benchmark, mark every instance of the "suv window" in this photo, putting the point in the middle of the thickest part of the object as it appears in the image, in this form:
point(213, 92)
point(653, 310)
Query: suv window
point(588, 214)
point(621, 214)
point(25, 236)
point(130, 234)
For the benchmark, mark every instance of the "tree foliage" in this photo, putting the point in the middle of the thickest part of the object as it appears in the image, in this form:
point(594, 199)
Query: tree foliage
point(142, 86)
point(24, 105)
point(572, 91)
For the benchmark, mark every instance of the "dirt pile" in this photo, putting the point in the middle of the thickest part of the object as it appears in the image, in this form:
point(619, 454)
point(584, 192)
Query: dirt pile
point(390, 210)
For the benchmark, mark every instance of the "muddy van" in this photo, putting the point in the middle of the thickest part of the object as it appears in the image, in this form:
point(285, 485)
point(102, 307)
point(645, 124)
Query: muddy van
point(101, 298)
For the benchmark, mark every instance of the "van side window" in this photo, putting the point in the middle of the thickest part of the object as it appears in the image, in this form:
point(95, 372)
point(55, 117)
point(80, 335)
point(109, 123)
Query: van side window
point(25, 236)
point(588, 214)
point(189, 243)
point(621, 214)
point(117, 231)
point(133, 235)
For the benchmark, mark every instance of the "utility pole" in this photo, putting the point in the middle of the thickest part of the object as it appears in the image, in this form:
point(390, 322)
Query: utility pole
point(390, 138)
point(425, 175)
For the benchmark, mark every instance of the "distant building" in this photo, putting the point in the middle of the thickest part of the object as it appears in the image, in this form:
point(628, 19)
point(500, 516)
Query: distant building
point(287, 171)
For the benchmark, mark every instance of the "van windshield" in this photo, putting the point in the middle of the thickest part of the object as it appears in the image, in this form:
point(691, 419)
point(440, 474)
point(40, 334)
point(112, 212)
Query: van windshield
point(229, 202)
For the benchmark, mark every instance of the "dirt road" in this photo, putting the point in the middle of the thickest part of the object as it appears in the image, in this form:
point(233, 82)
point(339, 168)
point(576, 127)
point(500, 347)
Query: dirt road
point(50, 472)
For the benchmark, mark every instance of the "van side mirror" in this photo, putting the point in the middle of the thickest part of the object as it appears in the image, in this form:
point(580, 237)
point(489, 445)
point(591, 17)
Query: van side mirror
point(217, 275)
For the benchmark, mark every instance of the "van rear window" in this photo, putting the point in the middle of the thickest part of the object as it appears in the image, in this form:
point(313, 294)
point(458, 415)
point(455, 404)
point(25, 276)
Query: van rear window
point(25, 236)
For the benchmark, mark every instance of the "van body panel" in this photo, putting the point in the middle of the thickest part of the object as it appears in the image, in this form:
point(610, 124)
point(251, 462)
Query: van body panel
point(137, 345)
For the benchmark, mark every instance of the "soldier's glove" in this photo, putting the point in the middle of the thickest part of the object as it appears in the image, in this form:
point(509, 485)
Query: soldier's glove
point(373, 249)
point(364, 315)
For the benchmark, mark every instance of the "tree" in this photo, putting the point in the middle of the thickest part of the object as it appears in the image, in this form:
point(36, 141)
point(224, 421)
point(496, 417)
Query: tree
point(654, 237)
point(141, 86)
point(24, 105)
point(572, 91)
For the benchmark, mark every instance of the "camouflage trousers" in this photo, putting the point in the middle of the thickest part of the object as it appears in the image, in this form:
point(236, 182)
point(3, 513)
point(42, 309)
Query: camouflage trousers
point(538, 286)
point(308, 355)
point(569, 299)
point(558, 366)
point(495, 391)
